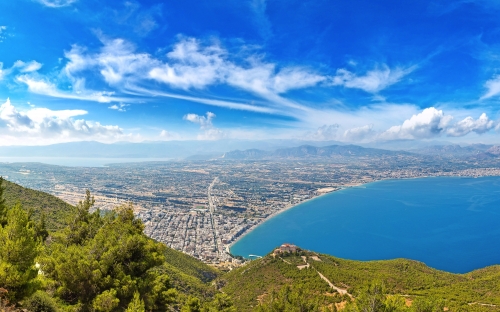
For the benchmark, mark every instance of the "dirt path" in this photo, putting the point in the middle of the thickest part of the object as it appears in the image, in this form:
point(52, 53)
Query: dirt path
point(341, 291)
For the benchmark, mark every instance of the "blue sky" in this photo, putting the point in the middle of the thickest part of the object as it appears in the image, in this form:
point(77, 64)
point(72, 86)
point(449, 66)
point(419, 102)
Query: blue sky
point(351, 71)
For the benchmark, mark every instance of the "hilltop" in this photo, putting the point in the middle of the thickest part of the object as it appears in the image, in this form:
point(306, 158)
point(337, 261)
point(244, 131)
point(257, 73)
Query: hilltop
point(346, 280)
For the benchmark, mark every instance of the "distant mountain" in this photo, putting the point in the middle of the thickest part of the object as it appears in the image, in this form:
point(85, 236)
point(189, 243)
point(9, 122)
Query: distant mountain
point(453, 151)
point(156, 149)
point(308, 151)
point(494, 150)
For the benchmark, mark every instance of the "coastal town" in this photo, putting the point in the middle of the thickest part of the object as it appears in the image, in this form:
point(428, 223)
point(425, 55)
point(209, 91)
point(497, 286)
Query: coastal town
point(203, 207)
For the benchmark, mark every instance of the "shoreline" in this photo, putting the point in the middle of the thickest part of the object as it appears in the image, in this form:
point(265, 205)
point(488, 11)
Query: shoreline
point(290, 206)
point(280, 211)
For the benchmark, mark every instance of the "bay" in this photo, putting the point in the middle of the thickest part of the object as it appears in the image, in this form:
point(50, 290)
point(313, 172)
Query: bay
point(449, 223)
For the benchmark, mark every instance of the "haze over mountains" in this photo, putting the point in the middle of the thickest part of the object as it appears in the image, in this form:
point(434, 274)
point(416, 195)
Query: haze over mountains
point(245, 149)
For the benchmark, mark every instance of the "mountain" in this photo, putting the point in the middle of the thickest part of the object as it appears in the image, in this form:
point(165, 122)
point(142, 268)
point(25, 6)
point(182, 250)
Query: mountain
point(312, 152)
point(154, 149)
point(454, 150)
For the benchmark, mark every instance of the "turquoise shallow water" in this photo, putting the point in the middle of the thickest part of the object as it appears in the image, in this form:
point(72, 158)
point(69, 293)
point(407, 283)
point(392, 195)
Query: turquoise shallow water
point(451, 224)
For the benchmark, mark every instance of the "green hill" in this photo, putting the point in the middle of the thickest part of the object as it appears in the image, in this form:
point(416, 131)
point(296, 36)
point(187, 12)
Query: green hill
point(264, 278)
point(56, 210)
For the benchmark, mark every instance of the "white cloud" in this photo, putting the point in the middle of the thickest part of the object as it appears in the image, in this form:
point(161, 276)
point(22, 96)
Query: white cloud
point(372, 81)
point(192, 66)
point(2, 71)
point(481, 125)
point(427, 124)
point(432, 123)
point(121, 107)
point(27, 67)
point(56, 3)
point(195, 66)
point(212, 102)
point(41, 86)
point(2, 30)
point(493, 86)
point(359, 134)
point(205, 122)
point(324, 133)
point(169, 135)
point(44, 126)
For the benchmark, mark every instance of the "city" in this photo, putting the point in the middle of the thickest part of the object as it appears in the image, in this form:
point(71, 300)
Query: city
point(202, 207)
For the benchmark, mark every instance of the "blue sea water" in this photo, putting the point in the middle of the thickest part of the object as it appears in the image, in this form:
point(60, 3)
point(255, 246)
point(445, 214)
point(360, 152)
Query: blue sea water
point(449, 223)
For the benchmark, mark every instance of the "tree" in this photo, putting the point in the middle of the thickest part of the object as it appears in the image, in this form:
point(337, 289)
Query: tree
point(18, 249)
point(136, 305)
point(3, 207)
point(104, 265)
point(192, 305)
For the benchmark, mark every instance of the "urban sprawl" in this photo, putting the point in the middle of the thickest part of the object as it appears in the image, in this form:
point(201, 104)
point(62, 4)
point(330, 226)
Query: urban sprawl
point(202, 207)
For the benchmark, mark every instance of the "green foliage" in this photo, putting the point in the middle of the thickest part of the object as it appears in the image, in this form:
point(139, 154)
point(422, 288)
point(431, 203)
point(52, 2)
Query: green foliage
point(18, 249)
point(291, 298)
point(193, 304)
point(101, 261)
point(221, 303)
point(136, 305)
point(40, 301)
point(3, 206)
point(106, 301)
point(55, 210)
point(190, 265)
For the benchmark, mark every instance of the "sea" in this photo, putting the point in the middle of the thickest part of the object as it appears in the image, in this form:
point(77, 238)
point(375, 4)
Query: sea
point(449, 223)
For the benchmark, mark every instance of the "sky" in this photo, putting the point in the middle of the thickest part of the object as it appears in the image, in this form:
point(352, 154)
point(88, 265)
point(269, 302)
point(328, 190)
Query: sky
point(354, 71)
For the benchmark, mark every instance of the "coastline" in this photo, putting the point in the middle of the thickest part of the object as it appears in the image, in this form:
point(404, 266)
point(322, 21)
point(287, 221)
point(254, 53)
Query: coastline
point(277, 212)
point(290, 206)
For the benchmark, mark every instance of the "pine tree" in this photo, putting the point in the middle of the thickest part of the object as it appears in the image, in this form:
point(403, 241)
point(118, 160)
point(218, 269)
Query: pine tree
point(18, 249)
point(136, 305)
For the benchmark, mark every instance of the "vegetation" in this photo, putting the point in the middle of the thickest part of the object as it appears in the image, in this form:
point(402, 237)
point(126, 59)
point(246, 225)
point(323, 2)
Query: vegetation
point(275, 283)
point(98, 261)
point(39, 204)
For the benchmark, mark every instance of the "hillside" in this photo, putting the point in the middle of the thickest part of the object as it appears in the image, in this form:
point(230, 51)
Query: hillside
point(264, 278)
point(102, 262)
point(56, 210)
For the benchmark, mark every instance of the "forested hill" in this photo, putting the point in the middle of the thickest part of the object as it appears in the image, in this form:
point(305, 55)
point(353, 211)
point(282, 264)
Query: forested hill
point(317, 281)
point(56, 210)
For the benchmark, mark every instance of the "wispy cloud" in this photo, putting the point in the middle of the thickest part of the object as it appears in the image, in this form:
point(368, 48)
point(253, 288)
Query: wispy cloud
point(2, 31)
point(493, 87)
point(372, 81)
point(260, 18)
point(121, 107)
point(27, 67)
point(43, 87)
point(209, 132)
point(56, 3)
